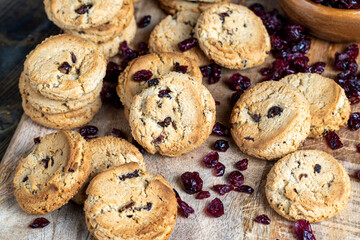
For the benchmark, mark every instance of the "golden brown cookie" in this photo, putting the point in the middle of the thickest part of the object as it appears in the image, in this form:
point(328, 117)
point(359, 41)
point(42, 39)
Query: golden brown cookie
point(52, 173)
point(174, 6)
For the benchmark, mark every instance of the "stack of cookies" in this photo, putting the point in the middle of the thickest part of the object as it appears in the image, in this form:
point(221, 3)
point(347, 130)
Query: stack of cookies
point(61, 82)
point(105, 23)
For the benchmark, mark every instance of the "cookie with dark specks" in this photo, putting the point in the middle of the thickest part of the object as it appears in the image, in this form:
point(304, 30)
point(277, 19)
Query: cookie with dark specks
point(270, 120)
point(308, 184)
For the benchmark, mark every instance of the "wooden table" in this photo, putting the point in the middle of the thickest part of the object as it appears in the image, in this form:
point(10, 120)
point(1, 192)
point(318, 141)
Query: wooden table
point(23, 24)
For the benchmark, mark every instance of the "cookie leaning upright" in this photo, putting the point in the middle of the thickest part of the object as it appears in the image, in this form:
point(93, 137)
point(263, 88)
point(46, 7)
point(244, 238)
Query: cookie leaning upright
point(173, 117)
point(233, 36)
point(52, 173)
point(129, 203)
point(270, 120)
point(308, 184)
point(329, 106)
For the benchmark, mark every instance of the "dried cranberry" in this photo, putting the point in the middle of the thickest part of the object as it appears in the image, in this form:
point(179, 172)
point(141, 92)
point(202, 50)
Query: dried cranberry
point(238, 82)
point(274, 111)
point(293, 32)
point(142, 75)
point(164, 93)
point(128, 54)
point(109, 95)
point(303, 230)
point(88, 130)
point(39, 223)
point(184, 208)
point(217, 103)
point(215, 208)
point(203, 194)
point(180, 68)
point(317, 168)
point(73, 58)
point(138, 146)
point(221, 130)
point(358, 175)
point(215, 74)
point(223, 188)
point(258, 9)
point(166, 122)
point(37, 140)
point(118, 133)
point(65, 68)
point(350, 82)
point(242, 164)
point(159, 139)
point(263, 219)
point(221, 145)
point(354, 121)
point(222, 16)
point(192, 182)
point(145, 21)
point(244, 189)
point(112, 72)
point(187, 44)
point(333, 140)
point(318, 67)
point(236, 178)
point(211, 159)
point(358, 147)
point(272, 21)
point(83, 9)
point(206, 71)
point(235, 97)
point(219, 169)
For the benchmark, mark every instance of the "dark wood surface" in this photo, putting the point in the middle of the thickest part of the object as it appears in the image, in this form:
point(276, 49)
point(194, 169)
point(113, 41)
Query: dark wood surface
point(23, 24)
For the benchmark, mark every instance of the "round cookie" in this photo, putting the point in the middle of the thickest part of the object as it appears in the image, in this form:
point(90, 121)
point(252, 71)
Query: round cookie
point(50, 106)
point(52, 173)
point(308, 184)
point(110, 29)
point(174, 6)
point(173, 117)
point(173, 30)
point(159, 64)
point(270, 120)
point(329, 106)
point(65, 67)
point(233, 36)
point(67, 120)
point(107, 153)
point(112, 47)
point(129, 203)
point(79, 15)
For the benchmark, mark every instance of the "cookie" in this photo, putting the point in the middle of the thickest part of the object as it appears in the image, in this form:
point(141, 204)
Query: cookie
point(233, 36)
point(173, 30)
point(129, 203)
point(50, 106)
point(107, 153)
point(308, 184)
point(112, 47)
point(173, 117)
point(110, 29)
point(52, 173)
point(79, 15)
point(270, 120)
point(174, 6)
point(159, 64)
point(67, 120)
point(65, 67)
point(329, 106)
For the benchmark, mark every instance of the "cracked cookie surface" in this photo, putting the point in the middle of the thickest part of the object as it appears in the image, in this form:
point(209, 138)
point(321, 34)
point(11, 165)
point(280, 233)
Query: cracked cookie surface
point(174, 6)
point(159, 64)
point(52, 173)
point(129, 203)
point(107, 153)
point(65, 67)
point(308, 184)
point(173, 30)
point(233, 36)
point(270, 120)
point(329, 106)
point(173, 117)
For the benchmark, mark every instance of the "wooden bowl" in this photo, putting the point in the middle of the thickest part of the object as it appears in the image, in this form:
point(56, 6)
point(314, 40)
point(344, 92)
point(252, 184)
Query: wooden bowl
point(331, 24)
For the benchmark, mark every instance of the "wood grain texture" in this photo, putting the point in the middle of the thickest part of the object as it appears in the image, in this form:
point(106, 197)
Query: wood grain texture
point(240, 209)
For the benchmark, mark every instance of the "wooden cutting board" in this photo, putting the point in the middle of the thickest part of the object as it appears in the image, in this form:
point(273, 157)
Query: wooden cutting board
point(240, 209)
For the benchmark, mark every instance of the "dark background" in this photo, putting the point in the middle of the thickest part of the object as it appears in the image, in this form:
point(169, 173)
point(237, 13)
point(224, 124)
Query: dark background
point(23, 24)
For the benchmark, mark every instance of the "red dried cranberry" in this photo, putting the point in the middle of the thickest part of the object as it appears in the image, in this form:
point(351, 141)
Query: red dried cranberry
point(244, 189)
point(164, 93)
point(138, 146)
point(263, 219)
point(354, 121)
point(83, 9)
point(145, 21)
point(192, 182)
point(88, 130)
point(159, 139)
point(215, 208)
point(203, 194)
point(333, 140)
point(222, 16)
point(358, 147)
point(223, 188)
point(318, 67)
point(221, 130)
point(65, 68)
point(242, 164)
point(39, 223)
point(165, 123)
point(221, 145)
point(180, 68)
point(303, 230)
point(187, 44)
point(272, 21)
point(217, 103)
point(215, 74)
point(293, 32)
point(206, 71)
point(274, 111)
point(118, 133)
point(211, 159)
point(235, 96)
point(128, 54)
point(238, 82)
point(112, 72)
point(73, 58)
point(37, 140)
point(258, 9)
point(142, 75)
point(184, 208)
point(236, 178)
point(219, 169)
point(358, 175)
point(109, 95)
